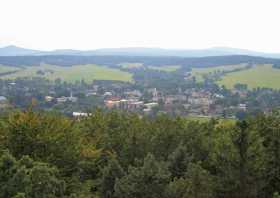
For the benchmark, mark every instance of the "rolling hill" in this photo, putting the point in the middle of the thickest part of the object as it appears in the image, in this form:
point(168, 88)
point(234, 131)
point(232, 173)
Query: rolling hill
point(136, 51)
point(115, 61)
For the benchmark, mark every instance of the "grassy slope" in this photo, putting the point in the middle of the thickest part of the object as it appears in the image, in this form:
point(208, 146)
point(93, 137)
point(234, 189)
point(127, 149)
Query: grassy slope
point(74, 73)
point(167, 68)
point(199, 72)
point(4, 69)
point(131, 65)
point(258, 76)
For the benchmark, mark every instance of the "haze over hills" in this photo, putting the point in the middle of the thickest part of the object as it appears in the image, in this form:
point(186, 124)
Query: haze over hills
point(17, 51)
point(137, 51)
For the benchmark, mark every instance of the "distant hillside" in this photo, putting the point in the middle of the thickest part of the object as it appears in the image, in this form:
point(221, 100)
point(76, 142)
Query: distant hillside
point(114, 61)
point(216, 51)
point(17, 51)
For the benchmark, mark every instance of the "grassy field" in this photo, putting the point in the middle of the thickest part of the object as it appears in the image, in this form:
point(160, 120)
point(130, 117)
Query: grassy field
point(131, 65)
point(199, 72)
point(258, 76)
point(72, 74)
point(5, 69)
point(167, 68)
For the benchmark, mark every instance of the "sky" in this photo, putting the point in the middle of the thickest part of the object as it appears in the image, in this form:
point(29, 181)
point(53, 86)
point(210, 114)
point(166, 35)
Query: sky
point(180, 24)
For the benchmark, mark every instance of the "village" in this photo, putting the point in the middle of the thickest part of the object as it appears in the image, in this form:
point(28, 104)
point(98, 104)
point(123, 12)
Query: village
point(192, 102)
point(79, 100)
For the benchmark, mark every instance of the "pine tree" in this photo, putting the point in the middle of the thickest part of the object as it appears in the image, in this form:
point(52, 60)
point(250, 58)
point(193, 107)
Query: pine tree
point(27, 178)
point(149, 180)
point(179, 161)
point(110, 174)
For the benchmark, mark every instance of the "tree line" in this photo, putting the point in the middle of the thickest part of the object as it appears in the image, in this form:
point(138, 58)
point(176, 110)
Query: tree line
point(114, 61)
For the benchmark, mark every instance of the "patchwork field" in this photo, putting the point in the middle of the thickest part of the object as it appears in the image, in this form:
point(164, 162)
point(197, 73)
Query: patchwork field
point(199, 72)
point(167, 68)
point(130, 65)
point(70, 74)
point(258, 76)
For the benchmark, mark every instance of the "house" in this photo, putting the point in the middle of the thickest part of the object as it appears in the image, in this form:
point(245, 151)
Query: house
point(200, 101)
point(112, 102)
point(80, 114)
point(147, 110)
point(107, 93)
point(91, 93)
point(241, 93)
point(61, 99)
point(134, 93)
point(218, 96)
point(151, 105)
point(3, 100)
point(49, 98)
point(175, 98)
point(135, 104)
point(124, 103)
point(242, 107)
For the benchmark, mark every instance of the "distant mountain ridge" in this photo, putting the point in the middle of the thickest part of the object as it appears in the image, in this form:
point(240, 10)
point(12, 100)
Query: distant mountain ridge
point(136, 51)
point(12, 50)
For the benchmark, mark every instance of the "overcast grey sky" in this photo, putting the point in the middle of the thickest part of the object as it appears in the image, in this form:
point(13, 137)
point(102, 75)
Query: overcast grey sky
point(91, 24)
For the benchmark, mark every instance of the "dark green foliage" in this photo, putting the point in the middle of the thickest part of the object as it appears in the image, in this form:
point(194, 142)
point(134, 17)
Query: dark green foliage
point(241, 87)
point(27, 178)
point(148, 180)
point(196, 183)
point(268, 127)
point(146, 60)
point(201, 182)
point(179, 161)
point(276, 195)
point(43, 137)
point(110, 174)
point(119, 155)
point(177, 188)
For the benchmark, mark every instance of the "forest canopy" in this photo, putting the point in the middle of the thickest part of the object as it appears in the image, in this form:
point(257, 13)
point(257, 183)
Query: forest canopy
point(118, 155)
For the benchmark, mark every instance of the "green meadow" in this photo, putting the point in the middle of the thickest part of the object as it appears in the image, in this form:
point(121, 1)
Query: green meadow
point(130, 65)
point(200, 72)
point(264, 76)
point(71, 74)
point(259, 76)
point(167, 68)
point(5, 69)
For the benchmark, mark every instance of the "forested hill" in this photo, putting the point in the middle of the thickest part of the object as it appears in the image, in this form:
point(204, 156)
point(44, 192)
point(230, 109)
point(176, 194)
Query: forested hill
point(115, 155)
point(115, 60)
point(136, 51)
